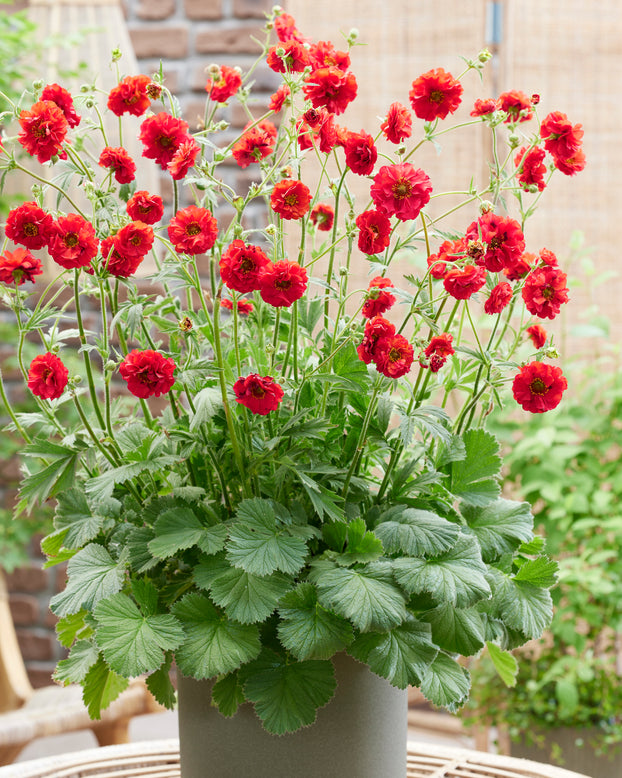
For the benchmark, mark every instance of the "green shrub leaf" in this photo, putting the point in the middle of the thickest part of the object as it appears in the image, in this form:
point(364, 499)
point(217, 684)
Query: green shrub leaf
point(415, 532)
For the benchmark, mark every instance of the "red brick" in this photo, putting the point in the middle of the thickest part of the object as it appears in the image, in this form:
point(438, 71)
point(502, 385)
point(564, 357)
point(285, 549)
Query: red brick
point(239, 117)
point(35, 646)
point(155, 9)
point(28, 579)
point(203, 9)
point(41, 675)
point(168, 42)
point(24, 610)
point(252, 9)
point(228, 40)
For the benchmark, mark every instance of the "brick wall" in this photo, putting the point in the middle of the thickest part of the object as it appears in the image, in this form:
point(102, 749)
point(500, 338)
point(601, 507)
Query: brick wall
point(187, 36)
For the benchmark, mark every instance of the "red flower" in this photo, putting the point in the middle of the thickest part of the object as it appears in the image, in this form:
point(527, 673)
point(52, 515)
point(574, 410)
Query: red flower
point(531, 165)
point(361, 153)
point(43, 131)
point(571, 165)
point(538, 387)
point(562, 139)
point(282, 283)
point(244, 307)
point(19, 266)
point(398, 123)
point(47, 376)
point(500, 296)
point(130, 96)
point(517, 106)
point(374, 231)
point(277, 100)
point(134, 240)
point(147, 373)
point(484, 107)
point(225, 86)
point(118, 265)
point(323, 55)
point(435, 94)
point(73, 242)
point(285, 28)
point(393, 356)
point(29, 225)
point(537, 334)
point(378, 301)
point(323, 216)
point(193, 230)
point(330, 88)
point(121, 163)
point(260, 394)
point(548, 257)
point(241, 266)
point(545, 291)
point(290, 199)
point(377, 330)
point(63, 100)
point(521, 267)
point(294, 59)
point(317, 125)
point(401, 190)
point(438, 349)
point(254, 145)
point(503, 237)
point(461, 283)
point(449, 251)
point(183, 159)
point(144, 207)
point(161, 136)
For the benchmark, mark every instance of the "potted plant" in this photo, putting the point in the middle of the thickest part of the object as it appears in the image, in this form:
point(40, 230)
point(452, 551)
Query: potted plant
point(565, 704)
point(264, 484)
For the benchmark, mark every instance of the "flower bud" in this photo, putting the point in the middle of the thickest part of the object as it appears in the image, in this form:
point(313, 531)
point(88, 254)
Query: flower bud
point(535, 99)
point(213, 70)
point(286, 172)
point(116, 55)
point(514, 141)
point(551, 353)
point(270, 229)
point(37, 85)
point(185, 325)
point(76, 379)
point(55, 348)
point(485, 207)
point(353, 35)
point(269, 349)
point(110, 366)
point(484, 56)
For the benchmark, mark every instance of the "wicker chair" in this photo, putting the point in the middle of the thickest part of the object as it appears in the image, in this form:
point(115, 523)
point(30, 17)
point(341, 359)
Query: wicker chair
point(27, 714)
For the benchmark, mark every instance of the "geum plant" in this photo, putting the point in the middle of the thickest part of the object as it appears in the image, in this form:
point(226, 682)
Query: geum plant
point(303, 490)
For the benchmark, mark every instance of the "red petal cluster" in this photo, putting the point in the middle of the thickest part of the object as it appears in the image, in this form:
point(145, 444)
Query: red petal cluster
point(47, 376)
point(290, 199)
point(401, 190)
point(19, 266)
point(147, 373)
point(193, 230)
point(43, 130)
point(130, 96)
point(72, 242)
point(435, 94)
point(120, 162)
point(539, 387)
point(225, 86)
point(260, 394)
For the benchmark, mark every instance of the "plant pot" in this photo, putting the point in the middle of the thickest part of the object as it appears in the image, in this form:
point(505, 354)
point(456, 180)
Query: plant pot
point(361, 733)
point(569, 747)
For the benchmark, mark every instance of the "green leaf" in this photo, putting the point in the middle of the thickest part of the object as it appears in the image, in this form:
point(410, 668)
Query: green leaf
point(137, 545)
point(93, 575)
point(101, 686)
point(160, 685)
point(446, 683)
point(80, 660)
point(259, 546)
point(415, 532)
point(500, 526)
point(456, 577)
point(474, 478)
point(324, 501)
point(213, 645)
point(361, 544)
point(505, 664)
point(74, 514)
point(457, 630)
point(287, 695)
point(541, 572)
point(53, 479)
point(246, 597)
point(207, 402)
point(351, 371)
point(102, 486)
point(180, 528)
point(401, 655)
point(228, 694)
point(133, 644)
point(430, 419)
point(369, 600)
point(70, 627)
point(308, 630)
point(523, 606)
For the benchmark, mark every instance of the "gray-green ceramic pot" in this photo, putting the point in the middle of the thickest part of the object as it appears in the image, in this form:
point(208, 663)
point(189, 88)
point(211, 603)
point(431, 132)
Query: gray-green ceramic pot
point(361, 733)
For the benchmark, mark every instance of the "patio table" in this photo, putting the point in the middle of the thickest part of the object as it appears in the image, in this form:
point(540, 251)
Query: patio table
point(160, 759)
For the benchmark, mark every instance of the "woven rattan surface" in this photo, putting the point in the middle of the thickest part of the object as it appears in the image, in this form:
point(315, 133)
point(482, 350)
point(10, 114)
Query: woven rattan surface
point(160, 759)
